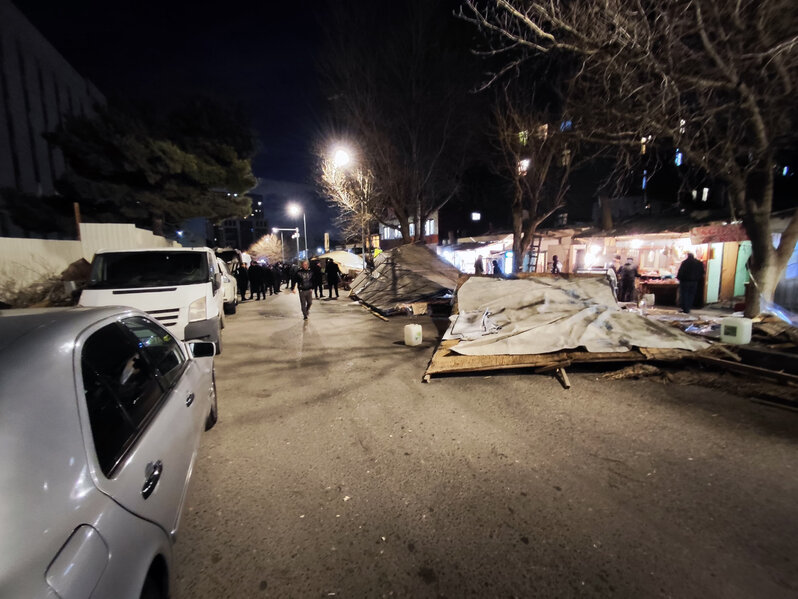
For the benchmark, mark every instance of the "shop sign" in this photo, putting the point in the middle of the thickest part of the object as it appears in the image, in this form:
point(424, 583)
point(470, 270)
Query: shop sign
point(717, 234)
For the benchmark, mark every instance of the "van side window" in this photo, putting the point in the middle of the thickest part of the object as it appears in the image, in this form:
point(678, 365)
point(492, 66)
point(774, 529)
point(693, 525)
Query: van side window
point(121, 392)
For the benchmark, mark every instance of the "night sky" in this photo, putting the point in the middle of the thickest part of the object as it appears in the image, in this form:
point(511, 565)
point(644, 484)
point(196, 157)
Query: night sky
point(261, 55)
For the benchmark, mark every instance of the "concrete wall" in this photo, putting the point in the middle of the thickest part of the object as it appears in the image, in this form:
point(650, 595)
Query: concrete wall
point(24, 261)
point(38, 88)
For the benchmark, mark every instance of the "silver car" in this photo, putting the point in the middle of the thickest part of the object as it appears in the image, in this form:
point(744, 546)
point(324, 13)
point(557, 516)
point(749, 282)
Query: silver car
point(101, 413)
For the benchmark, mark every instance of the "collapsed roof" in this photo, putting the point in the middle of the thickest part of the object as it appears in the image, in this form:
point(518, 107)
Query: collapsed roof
point(403, 276)
point(539, 315)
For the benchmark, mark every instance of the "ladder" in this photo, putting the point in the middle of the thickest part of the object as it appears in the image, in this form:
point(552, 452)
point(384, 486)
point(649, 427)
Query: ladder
point(533, 253)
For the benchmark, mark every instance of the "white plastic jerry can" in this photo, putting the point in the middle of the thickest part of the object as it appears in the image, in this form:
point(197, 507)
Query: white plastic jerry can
point(412, 334)
point(735, 330)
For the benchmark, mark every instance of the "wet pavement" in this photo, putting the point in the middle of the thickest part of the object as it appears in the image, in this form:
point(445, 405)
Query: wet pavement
point(335, 472)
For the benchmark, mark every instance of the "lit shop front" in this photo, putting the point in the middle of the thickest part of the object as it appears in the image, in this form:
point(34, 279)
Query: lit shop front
point(723, 249)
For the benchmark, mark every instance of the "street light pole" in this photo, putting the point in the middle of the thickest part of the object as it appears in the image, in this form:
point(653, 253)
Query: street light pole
point(305, 225)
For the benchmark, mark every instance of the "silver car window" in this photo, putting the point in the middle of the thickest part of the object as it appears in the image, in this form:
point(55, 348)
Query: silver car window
point(121, 390)
point(160, 347)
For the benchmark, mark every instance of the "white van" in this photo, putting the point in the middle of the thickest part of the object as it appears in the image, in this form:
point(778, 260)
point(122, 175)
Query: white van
point(180, 287)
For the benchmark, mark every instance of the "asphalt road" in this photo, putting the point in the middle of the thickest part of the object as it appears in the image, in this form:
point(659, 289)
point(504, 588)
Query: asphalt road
point(335, 472)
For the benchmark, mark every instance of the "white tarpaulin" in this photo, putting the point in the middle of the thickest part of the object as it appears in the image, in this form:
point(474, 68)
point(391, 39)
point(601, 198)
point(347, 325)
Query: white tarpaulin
point(542, 315)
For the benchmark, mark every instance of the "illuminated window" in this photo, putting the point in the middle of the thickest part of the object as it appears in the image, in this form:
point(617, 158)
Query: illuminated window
point(677, 160)
point(476, 216)
point(523, 137)
point(705, 194)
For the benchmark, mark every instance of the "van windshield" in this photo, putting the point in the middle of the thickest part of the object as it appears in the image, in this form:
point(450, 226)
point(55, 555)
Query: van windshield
point(120, 270)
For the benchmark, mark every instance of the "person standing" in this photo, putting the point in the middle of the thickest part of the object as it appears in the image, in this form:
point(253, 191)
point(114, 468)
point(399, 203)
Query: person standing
point(277, 277)
point(690, 274)
point(255, 280)
point(497, 270)
point(268, 280)
point(242, 278)
point(626, 281)
point(478, 268)
point(555, 265)
point(303, 278)
point(333, 276)
point(318, 278)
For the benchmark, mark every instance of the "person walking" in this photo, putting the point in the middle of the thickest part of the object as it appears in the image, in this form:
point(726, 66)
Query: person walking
point(690, 274)
point(318, 278)
point(333, 276)
point(242, 278)
point(626, 281)
point(303, 278)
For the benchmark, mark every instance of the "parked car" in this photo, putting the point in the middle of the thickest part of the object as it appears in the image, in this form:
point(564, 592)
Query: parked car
point(229, 288)
point(180, 287)
point(102, 413)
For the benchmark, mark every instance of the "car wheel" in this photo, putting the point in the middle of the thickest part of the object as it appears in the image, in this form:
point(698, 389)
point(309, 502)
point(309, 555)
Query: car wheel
point(151, 589)
point(213, 415)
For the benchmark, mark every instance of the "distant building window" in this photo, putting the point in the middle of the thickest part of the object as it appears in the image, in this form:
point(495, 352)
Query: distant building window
point(785, 171)
point(566, 125)
point(429, 227)
point(705, 194)
point(475, 216)
point(677, 160)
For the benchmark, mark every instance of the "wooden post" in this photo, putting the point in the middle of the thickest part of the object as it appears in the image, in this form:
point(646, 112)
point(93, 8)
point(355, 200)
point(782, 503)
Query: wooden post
point(76, 208)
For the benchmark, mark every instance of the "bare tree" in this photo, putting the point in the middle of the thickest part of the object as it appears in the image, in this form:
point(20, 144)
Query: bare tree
point(715, 79)
point(397, 85)
point(537, 162)
point(269, 247)
point(351, 192)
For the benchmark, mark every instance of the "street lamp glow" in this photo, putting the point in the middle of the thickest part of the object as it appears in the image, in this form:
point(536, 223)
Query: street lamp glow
point(294, 210)
point(341, 157)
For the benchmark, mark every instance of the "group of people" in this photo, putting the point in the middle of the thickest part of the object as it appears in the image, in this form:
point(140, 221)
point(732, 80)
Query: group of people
point(690, 274)
point(261, 280)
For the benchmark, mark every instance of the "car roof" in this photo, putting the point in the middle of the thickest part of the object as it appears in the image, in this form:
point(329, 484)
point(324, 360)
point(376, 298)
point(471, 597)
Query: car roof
point(20, 327)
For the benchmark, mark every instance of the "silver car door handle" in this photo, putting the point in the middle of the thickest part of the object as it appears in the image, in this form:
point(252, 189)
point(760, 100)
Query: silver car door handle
point(190, 399)
point(153, 475)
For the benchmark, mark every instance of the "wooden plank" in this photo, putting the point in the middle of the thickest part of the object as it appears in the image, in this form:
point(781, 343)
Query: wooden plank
point(781, 377)
point(563, 376)
point(446, 361)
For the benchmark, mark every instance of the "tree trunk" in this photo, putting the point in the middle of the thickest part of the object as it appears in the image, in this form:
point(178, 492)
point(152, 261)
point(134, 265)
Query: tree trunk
point(767, 264)
point(518, 237)
point(157, 224)
point(606, 212)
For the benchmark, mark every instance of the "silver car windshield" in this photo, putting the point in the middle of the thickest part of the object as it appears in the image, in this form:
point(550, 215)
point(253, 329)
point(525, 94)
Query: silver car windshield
point(120, 270)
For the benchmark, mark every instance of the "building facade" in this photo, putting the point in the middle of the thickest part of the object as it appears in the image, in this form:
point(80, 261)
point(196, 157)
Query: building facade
point(38, 89)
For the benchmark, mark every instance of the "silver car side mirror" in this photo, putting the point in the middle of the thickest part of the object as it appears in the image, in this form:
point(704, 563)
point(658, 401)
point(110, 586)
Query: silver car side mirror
point(202, 349)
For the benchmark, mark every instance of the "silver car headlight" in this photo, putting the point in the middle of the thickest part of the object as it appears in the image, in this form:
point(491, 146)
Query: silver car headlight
point(197, 309)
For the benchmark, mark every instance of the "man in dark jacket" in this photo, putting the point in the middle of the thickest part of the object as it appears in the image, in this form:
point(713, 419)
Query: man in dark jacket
point(255, 280)
point(333, 273)
point(318, 278)
point(626, 281)
point(691, 273)
point(242, 278)
point(303, 278)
